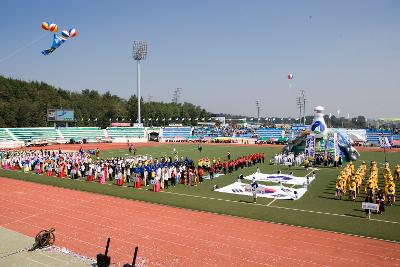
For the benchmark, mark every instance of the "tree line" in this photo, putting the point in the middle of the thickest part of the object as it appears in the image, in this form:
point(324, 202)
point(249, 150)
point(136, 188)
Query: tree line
point(25, 104)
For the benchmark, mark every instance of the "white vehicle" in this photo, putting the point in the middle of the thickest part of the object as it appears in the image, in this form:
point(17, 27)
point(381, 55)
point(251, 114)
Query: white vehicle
point(61, 141)
point(38, 142)
point(29, 143)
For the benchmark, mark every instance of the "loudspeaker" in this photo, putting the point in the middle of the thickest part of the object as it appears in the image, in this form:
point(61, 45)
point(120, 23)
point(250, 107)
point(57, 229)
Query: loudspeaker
point(102, 259)
point(134, 259)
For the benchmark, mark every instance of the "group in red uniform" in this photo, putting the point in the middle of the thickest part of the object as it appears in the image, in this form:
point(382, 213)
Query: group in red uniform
point(238, 163)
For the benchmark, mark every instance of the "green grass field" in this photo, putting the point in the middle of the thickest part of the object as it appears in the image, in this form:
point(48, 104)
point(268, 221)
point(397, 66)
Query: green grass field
point(318, 208)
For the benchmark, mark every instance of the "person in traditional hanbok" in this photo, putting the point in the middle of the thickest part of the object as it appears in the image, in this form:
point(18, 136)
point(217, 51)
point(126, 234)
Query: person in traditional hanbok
point(128, 175)
point(145, 176)
point(6, 164)
point(178, 177)
point(14, 165)
point(120, 182)
point(90, 175)
point(105, 171)
point(157, 185)
point(75, 172)
point(26, 167)
point(165, 177)
point(160, 177)
point(38, 169)
point(69, 167)
point(49, 170)
point(102, 179)
point(82, 171)
point(173, 176)
point(138, 182)
point(62, 169)
point(190, 174)
point(196, 178)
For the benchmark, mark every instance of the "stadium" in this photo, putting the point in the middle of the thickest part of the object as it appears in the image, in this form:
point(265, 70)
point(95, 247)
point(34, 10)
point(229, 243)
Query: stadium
point(107, 178)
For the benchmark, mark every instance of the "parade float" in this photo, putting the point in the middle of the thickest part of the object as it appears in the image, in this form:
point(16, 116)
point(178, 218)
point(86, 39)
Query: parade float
point(318, 140)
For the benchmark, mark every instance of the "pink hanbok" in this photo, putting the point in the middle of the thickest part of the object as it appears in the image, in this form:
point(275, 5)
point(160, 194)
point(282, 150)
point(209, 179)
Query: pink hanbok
point(102, 179)
point(6, 165)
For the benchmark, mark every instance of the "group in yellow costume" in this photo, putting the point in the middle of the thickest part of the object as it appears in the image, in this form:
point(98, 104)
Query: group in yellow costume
point(351, 181)
point(390, 186)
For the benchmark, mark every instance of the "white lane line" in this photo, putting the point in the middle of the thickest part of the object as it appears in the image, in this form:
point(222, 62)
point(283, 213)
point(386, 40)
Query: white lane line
point(277, 207)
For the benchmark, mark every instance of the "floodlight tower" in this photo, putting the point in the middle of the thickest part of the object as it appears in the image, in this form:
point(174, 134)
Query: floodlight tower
point(299, 103)
point(304, 98)
point(258, 110)
point(139, 54)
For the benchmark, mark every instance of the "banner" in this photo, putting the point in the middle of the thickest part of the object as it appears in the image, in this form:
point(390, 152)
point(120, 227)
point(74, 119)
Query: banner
point(326, 146)
point(356, 135)
point(64, 115)
point(369, 206)
point(276, 178)
point(336, 145)
point(276, 192)
point(138, 125)
point(307, 147)
point(120, 124)
point(310, 146)
point(60, 115)
point(384, 142)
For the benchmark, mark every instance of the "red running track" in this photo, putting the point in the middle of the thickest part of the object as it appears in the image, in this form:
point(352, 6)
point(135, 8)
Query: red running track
point(169, 236)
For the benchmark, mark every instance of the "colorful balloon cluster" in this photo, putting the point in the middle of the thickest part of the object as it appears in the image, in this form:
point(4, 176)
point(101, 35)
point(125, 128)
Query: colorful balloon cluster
point(54, 28)
point(58, 39)
point(70, 33)
point(49, 26)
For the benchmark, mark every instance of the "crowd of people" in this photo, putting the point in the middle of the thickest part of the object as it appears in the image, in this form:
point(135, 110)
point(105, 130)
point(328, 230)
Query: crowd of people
point(223, 131)
point(328, 160)
point(292, 159)
point(289, 158)
point(229, 165)
point(390, 186)
point(137, 169)
point(140, 170)
point(46, 162)
point(352, 181)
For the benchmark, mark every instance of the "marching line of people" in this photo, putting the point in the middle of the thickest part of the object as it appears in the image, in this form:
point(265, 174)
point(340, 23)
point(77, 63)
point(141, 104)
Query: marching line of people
point(141, 170)
point(80, 165)
point(351, 180)
point(230, 165)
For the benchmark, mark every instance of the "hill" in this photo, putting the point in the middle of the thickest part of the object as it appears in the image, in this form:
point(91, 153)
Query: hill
point(25, 104)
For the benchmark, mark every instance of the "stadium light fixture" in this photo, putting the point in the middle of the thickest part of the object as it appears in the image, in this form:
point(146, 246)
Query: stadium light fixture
point(304, 98)
point(258, 109)
point(139, 54)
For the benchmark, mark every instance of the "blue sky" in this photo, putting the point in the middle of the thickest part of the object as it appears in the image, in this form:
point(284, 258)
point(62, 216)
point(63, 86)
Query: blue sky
point(224, 55)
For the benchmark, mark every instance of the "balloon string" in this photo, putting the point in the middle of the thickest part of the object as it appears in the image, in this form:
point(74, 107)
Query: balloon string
point(23, 47)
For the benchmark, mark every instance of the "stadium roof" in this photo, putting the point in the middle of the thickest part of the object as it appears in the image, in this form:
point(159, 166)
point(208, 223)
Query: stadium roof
point(389, 119)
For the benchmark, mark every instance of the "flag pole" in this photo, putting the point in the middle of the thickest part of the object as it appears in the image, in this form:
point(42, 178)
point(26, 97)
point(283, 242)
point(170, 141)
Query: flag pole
point(384, 145)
